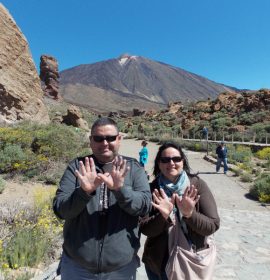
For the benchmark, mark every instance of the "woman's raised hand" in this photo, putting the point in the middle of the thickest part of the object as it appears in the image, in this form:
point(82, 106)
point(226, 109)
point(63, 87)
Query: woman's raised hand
point(186, 203)
point(163, 203)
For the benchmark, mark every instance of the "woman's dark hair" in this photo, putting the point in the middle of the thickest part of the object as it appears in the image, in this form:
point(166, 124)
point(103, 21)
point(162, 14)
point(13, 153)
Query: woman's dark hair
point(165, 146)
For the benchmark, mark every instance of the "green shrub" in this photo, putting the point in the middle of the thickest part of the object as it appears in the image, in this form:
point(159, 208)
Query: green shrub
point(264, 153)
point(266, 164)
point(30, 149)
point(246, 177)
point(154, 139)
point(257, 171)
point(2, 184)
point(34, 233)
point(14, 157)
point(237, 171)
point(27, 247)
point(246, 166)
point(53, 173)
point(240, 154)
point(57, 142)
point(261, 188)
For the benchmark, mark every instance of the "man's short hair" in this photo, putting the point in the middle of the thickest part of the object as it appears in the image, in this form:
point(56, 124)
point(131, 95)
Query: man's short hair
point(102, 122)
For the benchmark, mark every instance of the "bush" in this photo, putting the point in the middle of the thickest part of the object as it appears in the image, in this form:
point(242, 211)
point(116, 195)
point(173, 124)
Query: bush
point(264, 153)
point(240, 154)
point(266, 164)
point(31, 153)
point(34, 233)
point(53, 173)
point(237, 171)
point(261, 188)
point(246, 177)
point(26, 248)
point(246, 166)
point(2, 184)
point(13, 157)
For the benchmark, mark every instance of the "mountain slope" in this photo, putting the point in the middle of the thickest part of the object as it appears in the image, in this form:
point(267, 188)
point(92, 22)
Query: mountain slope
point(133, 81)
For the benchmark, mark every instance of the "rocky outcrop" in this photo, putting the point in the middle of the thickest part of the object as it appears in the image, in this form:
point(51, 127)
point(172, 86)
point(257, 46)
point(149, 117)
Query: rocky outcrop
point(74, 118)
point(239, 111)
point(137, 112)
point(49, 76)
point(250, 101)
point(20, 90)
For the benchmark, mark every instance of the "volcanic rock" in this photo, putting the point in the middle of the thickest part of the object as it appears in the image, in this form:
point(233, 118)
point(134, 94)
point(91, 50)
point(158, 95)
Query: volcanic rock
point(49, 76)
point(20, 90)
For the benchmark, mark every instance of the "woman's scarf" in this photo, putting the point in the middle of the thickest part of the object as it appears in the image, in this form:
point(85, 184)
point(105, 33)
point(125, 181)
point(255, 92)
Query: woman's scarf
point(178, 187)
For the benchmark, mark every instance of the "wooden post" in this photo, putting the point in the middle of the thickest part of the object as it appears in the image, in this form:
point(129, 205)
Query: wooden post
point(207, 144)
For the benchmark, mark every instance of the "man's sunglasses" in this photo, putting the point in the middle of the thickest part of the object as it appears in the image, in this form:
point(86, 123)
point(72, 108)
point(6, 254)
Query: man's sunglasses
point(100, 139)
point(168, 159)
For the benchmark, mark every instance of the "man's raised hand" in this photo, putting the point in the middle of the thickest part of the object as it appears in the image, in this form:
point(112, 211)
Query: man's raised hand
point(87, 175)
point(115, 179)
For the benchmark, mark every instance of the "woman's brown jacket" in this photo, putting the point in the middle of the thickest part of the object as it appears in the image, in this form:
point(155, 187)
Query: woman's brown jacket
point(203, 222)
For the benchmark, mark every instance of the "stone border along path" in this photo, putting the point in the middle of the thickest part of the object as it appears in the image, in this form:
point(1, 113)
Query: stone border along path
point(243, 240)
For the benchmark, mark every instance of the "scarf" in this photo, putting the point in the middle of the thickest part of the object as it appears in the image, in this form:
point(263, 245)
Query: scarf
point(178, 187)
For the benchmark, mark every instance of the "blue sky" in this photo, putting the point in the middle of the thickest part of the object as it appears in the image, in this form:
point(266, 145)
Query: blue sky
point(227, 41)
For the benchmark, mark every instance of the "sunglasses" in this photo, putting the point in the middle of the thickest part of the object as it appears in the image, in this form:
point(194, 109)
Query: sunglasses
point(168, 159)
point(100, 139)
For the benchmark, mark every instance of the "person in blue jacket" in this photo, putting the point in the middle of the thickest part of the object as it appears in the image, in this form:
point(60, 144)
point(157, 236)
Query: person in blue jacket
point(143, 154)
point(221, 152)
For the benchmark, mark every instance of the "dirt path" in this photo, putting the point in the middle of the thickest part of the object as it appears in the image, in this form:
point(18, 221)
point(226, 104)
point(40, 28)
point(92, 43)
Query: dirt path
point(243, 240)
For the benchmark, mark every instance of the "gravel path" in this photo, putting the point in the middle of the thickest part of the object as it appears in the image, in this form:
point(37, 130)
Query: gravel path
point(243, 240)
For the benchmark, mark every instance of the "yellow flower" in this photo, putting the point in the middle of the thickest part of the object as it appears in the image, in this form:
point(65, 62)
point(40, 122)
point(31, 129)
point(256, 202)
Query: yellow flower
point(5, 265)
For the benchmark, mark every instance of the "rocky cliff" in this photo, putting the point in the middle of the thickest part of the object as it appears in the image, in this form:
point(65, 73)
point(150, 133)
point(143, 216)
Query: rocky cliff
point(20, 90)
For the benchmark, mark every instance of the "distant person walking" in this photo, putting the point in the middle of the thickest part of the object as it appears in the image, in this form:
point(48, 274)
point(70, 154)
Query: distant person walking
point(205, 132)
point(143, 154)
point(221, 152)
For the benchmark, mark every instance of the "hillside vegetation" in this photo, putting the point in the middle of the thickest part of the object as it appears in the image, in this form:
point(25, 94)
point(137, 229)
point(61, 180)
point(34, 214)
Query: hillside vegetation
point(243, 116)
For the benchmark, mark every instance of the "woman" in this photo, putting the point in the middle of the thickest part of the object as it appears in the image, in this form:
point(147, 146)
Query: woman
point(176, 190)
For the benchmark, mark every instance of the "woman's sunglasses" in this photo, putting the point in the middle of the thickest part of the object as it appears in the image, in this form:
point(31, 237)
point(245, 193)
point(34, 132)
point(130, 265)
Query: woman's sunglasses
point(168, 159)
point(100, 139)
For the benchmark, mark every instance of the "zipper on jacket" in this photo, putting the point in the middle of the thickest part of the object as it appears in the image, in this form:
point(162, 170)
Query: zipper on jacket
point(99, 255)
point(103, 216)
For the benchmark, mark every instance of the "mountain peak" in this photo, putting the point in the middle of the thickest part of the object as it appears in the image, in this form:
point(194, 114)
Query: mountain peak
point(124, 58)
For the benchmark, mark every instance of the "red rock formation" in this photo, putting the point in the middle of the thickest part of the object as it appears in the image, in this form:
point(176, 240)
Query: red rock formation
point(49, 76)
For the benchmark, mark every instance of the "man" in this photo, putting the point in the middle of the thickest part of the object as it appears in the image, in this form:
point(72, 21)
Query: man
point(221, 152)
point(205, 132)
point(101, 198)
